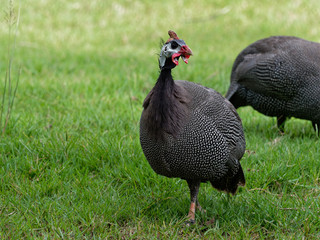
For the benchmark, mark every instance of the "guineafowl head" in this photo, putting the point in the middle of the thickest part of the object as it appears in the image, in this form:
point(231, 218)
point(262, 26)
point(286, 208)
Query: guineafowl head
point(172, 50)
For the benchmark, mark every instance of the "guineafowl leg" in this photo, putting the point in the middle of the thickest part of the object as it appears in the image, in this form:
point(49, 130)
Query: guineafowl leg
point(194, 186)
point(316, 127)
point(280, 122)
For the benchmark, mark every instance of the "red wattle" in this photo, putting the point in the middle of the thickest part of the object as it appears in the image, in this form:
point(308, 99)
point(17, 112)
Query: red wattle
point(175, 55)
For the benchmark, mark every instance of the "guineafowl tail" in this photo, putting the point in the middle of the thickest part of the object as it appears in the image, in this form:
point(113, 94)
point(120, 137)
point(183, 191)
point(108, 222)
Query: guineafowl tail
point(230, 184)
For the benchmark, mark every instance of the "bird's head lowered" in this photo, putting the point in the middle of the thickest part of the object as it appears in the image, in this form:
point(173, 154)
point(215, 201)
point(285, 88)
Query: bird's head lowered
point(172, 50)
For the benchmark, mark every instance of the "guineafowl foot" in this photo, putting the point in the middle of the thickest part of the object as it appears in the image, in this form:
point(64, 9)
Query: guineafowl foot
point(190, 223)
point(192, 212)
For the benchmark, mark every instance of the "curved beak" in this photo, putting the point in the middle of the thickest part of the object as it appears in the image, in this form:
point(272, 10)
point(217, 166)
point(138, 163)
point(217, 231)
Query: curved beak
point(185, 53)
point(185, 50)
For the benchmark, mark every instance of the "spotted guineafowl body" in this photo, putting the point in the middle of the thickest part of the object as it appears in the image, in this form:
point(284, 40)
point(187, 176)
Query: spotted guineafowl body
point(278, 76)
point(192, 132)
point(208, 145)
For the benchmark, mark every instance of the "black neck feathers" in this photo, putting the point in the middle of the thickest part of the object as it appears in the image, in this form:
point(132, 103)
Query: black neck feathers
point(166, 106)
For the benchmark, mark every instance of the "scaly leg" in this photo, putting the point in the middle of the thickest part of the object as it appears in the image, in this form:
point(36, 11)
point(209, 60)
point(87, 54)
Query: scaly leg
point(194, 186)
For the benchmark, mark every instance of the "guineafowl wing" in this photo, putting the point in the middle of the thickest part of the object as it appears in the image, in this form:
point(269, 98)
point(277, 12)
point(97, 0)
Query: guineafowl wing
point(269, 74)
point(227, 121)
point(238, 146)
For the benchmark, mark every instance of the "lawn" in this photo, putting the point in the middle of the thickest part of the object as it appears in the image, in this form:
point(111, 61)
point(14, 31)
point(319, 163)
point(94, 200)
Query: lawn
point(71, 165)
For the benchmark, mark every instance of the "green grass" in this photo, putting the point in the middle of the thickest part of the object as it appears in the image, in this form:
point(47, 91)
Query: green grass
point(71, 165)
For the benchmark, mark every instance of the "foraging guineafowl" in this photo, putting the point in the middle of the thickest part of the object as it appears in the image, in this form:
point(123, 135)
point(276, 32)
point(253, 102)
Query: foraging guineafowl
point(278, 76)
point(189, 131)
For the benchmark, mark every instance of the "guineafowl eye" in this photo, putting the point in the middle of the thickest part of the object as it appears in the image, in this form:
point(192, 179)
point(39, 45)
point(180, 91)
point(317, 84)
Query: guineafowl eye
point(174, 45)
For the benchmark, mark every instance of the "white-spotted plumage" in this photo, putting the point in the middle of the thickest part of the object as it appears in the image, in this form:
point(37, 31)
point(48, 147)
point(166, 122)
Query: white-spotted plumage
point(191, 132)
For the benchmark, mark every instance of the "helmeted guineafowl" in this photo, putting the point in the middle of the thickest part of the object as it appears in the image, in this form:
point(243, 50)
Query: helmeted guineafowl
point(189, 131)
point(278, 76)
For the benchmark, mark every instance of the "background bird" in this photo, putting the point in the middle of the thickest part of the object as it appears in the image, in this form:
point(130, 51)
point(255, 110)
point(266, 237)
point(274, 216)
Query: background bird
point(278, 76)
point(189, 131)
